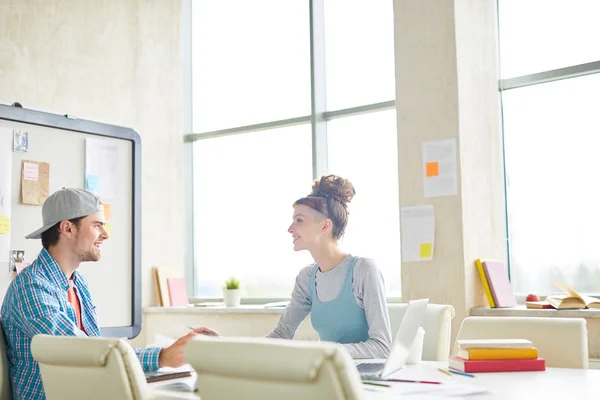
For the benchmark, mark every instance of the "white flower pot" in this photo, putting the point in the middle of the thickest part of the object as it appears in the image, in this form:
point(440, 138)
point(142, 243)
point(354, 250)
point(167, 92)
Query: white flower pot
point(232, 297)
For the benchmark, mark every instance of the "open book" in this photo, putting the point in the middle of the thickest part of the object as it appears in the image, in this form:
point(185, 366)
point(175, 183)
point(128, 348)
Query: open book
point(571, 299)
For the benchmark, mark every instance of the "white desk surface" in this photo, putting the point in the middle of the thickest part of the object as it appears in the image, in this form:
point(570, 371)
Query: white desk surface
point(553, 383)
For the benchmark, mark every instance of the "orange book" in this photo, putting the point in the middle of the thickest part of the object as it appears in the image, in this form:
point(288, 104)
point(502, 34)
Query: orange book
point(498, 354)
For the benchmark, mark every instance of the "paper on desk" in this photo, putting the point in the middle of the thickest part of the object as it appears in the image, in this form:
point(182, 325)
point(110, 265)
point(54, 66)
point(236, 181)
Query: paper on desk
point(417, 233)
point(439, 168)
point(407, 390)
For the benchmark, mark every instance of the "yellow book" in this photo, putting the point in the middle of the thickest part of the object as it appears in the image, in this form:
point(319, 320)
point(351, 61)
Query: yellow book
point(486, 286)
point(498, 354)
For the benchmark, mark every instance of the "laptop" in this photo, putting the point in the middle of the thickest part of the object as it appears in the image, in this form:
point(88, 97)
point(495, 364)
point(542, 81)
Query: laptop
point(407, 332)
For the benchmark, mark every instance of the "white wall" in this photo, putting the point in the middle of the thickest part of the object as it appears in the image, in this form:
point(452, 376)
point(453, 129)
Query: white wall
point(114, 61)
point(446, 74)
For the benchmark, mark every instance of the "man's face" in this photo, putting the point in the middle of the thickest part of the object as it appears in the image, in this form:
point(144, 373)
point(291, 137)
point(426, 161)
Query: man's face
point(89, 237)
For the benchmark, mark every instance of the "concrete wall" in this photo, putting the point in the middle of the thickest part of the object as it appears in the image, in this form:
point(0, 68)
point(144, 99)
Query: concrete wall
point(113, 61)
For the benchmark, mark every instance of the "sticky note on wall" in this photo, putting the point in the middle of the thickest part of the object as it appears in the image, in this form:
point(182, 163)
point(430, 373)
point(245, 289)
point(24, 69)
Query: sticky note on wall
point(4, 225)
point(426, 249)
point(432, 169)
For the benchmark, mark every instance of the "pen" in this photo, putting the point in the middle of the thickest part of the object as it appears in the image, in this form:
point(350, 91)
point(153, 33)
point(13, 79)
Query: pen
point(412, 381)
point(461, 373)
point(206, 333)
point(444, 371)
point(376, 384)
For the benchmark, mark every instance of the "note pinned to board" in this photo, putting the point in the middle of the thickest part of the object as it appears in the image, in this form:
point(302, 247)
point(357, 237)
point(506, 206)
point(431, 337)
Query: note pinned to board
point(35, 182)
point(439, 168)
point(92, 182)
point(106, 211)
point(4, 225)
point(31, 171)
point(107, 228)
point(418, 233)
point(102, 162)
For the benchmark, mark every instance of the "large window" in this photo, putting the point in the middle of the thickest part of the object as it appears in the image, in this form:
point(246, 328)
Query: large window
point(551, 96)
point(284, 92)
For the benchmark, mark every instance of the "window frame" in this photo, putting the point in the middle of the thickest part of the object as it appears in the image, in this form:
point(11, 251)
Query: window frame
point(318, 119)
point(538, 78)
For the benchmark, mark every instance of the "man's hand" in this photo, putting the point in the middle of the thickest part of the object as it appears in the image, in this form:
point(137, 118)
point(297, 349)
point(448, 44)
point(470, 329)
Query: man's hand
point(172, 356)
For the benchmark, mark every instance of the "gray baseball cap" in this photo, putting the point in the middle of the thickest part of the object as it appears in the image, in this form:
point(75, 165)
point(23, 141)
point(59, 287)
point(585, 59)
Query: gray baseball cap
point(67, 203)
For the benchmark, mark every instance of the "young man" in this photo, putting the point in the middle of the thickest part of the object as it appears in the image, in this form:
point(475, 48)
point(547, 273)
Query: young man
point(51, 297)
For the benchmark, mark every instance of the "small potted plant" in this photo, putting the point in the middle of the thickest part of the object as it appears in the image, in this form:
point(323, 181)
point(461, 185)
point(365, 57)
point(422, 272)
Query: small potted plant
point(232, 293)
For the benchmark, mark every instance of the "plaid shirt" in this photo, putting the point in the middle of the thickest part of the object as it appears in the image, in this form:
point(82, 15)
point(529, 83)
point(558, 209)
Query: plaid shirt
point(36, 302)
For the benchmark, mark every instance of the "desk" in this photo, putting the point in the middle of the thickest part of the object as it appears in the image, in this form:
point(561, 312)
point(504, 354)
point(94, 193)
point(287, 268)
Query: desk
point(553, 383)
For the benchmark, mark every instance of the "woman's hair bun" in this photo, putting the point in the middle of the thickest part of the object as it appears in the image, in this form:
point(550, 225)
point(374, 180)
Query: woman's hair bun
point(334, 187)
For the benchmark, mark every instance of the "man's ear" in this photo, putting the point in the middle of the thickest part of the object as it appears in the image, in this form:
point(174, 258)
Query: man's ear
point(67, 228)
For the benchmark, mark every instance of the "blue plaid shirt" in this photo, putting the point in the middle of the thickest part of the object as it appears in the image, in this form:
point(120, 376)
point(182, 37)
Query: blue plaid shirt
point(36, 302)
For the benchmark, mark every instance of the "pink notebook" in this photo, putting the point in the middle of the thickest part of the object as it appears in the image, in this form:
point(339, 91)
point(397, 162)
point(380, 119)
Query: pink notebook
point(497, 277)
point(177, 292)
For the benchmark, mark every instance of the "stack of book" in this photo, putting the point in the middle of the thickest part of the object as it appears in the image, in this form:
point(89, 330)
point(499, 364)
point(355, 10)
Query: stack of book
point(496, 355)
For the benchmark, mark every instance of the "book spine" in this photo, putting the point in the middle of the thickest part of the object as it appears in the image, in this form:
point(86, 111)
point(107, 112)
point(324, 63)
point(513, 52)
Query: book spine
point(499, 354)
point(486, 286)
point(538, 364)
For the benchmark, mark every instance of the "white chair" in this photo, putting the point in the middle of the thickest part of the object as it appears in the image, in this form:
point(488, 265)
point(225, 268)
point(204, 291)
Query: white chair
point(5, 388)
point(253, 369)
point(89, 368)
point(437, 325)
point(562, 342)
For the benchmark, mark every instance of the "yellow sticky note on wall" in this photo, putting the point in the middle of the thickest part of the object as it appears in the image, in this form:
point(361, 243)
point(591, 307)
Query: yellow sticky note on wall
point(4, 225)
point(107, 228)
point(426, 249)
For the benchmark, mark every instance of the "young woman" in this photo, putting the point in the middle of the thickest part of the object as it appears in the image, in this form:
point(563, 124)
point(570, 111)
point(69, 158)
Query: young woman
point(344, 294)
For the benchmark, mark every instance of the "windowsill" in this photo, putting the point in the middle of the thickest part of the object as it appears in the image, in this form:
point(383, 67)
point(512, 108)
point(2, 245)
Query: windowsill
point(522, 311)
point(243, 309)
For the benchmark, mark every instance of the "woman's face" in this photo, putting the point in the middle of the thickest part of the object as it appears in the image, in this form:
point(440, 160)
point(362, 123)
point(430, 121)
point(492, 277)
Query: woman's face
point(308, 228)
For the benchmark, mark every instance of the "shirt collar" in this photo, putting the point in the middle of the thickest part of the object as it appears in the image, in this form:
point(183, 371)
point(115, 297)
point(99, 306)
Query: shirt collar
point(56, 274)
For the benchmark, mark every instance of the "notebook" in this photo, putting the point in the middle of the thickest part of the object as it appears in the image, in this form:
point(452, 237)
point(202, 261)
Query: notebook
point(497, 277)
point(407, 332)
point(177, 292)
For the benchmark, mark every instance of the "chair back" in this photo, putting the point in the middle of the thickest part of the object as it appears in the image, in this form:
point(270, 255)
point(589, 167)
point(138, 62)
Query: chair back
point(5, 386)
point(264, 369)
point(562, 342)
point(88, 368)
point(437, 325)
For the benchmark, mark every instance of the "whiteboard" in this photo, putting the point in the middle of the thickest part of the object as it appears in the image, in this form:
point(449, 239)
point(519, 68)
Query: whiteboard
point(60, 141)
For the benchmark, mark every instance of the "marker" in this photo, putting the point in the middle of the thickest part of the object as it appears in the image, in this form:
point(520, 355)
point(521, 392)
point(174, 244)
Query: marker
point(461, 373)
point(376, 384)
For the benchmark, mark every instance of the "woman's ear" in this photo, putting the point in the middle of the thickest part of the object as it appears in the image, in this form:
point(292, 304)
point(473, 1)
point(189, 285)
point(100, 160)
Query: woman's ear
point(327, 225)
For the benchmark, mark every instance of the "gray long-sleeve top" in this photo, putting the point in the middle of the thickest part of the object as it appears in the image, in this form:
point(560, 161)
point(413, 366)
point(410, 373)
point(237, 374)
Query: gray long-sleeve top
point(369, 293)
